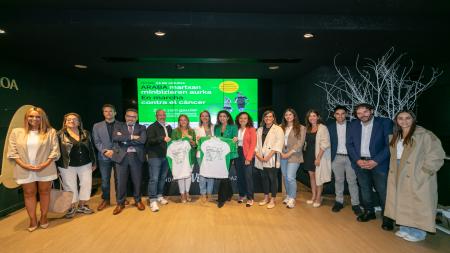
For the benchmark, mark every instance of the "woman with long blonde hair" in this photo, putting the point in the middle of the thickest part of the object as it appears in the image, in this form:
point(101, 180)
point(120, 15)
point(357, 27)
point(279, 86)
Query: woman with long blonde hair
point(34, 148)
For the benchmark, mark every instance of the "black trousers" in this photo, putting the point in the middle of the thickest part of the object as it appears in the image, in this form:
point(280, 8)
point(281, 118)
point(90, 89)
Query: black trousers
point(244, 176)
point(130, 165)
point(269, 178)
point(225, 190)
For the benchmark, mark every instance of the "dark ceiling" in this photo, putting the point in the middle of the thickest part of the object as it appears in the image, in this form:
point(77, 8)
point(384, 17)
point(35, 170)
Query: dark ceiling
point(219, 38)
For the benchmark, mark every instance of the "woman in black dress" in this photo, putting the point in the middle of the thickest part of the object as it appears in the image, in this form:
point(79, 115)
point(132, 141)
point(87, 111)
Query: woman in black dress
point(311, 159)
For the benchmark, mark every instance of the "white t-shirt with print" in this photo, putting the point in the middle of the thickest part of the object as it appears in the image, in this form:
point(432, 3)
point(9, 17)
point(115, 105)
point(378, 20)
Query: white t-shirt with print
point(214, 163)
point(179, 152)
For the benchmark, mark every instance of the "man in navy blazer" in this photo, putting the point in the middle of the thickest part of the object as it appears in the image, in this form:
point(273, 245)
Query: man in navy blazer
point(129, 139)
point(340, 162)
point(102, 135)
point(368, 148)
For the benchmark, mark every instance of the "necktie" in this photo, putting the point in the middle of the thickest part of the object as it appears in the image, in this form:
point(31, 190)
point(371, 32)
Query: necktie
point(130, 129)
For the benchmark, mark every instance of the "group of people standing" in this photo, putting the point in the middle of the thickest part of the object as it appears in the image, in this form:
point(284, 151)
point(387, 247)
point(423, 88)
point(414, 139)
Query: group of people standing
point(400, 161)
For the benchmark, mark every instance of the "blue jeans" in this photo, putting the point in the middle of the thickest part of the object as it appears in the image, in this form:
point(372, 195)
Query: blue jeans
point(206, 184)
point(367, 180)
point(157, 168)
point(244, 176)
point(289, 171)
point(418, 233)
point(106, 166)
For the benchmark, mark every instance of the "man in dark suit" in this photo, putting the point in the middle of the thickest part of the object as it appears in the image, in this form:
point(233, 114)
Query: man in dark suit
point(129, 139)
point(158, 135)
point(340, 162)
point(368, 148)
point(102, 135)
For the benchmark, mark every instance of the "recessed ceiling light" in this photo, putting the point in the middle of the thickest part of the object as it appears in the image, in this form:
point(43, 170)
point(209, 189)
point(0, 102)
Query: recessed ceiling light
point(308, 35)
point(160, 33)
point(274, 67)
point(179, 66)
point(79, 66)
point(2, 31)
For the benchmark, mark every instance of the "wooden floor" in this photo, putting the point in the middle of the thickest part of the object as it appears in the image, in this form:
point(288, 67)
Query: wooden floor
point(197, 227)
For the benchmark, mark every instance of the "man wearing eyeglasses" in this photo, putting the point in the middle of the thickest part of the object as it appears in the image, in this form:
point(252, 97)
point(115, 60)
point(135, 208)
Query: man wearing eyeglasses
point(129, 139)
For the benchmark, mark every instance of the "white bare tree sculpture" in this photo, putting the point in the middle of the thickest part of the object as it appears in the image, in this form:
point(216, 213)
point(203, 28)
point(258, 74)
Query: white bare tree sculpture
point(384, 83)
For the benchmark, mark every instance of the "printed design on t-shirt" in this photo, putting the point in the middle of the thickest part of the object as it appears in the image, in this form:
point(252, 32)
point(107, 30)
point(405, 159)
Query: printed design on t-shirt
point(179, 154)
point(179, 158)
point(214, 153)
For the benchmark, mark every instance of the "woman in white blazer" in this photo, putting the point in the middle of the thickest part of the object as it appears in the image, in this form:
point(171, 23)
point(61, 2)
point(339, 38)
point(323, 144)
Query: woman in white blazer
point(269, 145)
point(317, 155)
point(205, 128)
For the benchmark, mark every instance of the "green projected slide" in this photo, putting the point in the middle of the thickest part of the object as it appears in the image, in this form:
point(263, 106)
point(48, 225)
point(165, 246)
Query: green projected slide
point(191, 96)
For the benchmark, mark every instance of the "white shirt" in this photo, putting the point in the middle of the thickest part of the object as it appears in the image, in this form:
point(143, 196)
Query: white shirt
point(32, 146)
point(287, 131)
point(201, 132)
point(341, 134)
point(241, 137)
point(165, 128)
point(366, 133)
point(400, 149)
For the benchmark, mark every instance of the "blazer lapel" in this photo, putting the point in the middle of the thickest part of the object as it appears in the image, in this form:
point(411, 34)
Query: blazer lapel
point(24, 139)
point(357, 133)
point(104, 131)
point(375, 125)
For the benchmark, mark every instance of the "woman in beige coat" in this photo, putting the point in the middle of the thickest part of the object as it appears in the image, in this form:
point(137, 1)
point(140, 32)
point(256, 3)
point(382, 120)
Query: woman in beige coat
point(34, 148)
point(317, 155)
point(416, 156)
point(292, 155)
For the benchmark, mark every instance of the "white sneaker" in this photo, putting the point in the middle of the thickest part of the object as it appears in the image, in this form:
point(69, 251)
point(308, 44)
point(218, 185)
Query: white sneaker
point(317, 204)
point(290, 203)
point(309, 202)
point(154, 206)
point(163, 201)
point(412, 238)
point(286, 200)
point(401, 234)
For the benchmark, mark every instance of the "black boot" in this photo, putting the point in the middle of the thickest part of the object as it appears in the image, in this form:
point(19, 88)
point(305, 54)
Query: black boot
point(366, 216)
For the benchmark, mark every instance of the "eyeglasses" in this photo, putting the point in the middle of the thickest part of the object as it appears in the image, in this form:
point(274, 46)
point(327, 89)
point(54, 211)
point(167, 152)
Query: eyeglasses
point(129, 116)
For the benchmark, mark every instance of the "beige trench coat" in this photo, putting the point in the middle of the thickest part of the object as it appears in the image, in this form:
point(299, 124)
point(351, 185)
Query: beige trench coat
point(323, 172)
point(412, 187)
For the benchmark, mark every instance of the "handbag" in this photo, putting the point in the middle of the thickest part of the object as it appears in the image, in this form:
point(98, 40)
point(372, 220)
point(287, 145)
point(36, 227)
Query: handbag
point(60, 200)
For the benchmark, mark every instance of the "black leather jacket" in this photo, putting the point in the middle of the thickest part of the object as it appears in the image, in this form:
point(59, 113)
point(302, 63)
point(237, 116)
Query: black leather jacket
point(66, 145)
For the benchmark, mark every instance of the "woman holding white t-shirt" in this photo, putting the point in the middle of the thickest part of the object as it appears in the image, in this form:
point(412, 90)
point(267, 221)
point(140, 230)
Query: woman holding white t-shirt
point(185, 131)
point(225, 128)
point(205, 128)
